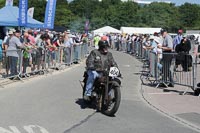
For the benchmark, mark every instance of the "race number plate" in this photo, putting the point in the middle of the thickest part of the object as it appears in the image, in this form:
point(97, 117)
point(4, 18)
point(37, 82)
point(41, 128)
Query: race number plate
point(114, 72)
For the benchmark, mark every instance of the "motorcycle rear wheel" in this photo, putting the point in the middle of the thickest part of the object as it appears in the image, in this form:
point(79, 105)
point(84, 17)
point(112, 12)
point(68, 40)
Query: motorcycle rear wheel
point(114, 98)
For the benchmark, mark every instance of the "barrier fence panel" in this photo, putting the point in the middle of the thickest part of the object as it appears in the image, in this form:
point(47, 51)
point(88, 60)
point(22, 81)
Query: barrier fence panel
point(77, 53)
point(11, 65)
point(137, 49)
point(140, 49)
point(129, 43)
point(182, 69)
point(30, 61)
point(85, 49)
point(153, 65)
point(82, 47)
point(196, 74)
point(150, 68)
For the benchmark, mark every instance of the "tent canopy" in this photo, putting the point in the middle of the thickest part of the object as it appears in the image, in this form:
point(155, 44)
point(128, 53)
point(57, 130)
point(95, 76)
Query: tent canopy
point(139, 30)
point(106, 29)
point(9, 17)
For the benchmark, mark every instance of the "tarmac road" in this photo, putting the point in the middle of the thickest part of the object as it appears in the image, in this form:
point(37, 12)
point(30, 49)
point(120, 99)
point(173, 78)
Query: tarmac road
point(53, 104)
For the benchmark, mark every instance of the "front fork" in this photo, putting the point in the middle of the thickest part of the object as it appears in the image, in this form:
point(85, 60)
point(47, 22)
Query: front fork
point(102, 99)
point(106, 100)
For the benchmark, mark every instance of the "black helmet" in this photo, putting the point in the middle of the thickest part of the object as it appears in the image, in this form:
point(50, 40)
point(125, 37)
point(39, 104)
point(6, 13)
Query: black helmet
point(103, 44)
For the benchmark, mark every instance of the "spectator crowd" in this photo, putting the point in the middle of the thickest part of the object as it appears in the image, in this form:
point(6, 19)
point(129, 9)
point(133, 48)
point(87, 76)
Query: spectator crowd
point(23, 50)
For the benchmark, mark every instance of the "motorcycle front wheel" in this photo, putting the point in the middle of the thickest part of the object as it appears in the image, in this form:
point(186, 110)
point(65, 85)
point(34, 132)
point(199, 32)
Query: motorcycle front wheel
point(114, 99)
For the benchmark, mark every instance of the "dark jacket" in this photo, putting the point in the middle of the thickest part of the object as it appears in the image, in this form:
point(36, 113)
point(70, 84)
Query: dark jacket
point(183, 47)
point(97, 61)
point(183, 57)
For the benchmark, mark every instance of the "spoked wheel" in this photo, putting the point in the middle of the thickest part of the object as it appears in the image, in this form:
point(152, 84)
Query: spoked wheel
point(114, 99)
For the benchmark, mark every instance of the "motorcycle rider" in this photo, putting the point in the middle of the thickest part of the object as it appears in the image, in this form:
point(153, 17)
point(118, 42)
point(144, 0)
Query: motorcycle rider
point(98, 60)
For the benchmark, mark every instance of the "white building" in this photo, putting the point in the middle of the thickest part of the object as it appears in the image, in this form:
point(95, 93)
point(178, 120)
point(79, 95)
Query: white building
point(142, 2)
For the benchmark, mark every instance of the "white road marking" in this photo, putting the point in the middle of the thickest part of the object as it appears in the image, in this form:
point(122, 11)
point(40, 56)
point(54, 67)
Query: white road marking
point(28, 129)
point(13, 129)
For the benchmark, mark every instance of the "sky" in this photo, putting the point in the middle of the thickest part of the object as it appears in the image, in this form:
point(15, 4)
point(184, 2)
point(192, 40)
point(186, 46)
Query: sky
point(177, 2)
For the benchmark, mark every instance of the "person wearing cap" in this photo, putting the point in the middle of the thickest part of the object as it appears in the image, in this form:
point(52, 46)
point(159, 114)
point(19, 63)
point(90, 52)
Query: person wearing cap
point(177, 39)
point(151, 45)
point(183, 56)
point(167, 49)
point(5, 47)
point(12, 52)
point(6, 39)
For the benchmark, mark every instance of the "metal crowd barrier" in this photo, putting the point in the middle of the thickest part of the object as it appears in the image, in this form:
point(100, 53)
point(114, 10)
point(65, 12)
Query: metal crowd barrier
point(154, 71)
point(32, 62)
point(151, 70)
point(184, 72)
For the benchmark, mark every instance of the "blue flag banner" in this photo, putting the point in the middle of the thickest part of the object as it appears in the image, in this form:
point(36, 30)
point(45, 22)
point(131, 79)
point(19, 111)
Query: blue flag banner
point(23, 6)
point(50, 14)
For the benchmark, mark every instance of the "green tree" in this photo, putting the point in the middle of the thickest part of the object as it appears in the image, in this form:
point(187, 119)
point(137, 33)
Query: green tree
point(159, 15)
point(189, 15)
point(39, 9)
point(83, 8)
point(63, 16)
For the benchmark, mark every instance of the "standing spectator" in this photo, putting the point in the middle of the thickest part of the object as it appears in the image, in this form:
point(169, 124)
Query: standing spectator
point(120, 42)
point(50, 48)
point(41, 45)
point(124, 43)
point(129, 42)
point(68, 42)
point(85, 43)
point(12, 52)
point(177, 39)
point(96, 41)
point(159, 40)
point(26, 53)
point(137, 44)
point(5, 47)
point(183, 53)
point(34, 54)
point(167, 48)
point(112, 41)
point(59, 50)
point(117, 42)
point(151, 45)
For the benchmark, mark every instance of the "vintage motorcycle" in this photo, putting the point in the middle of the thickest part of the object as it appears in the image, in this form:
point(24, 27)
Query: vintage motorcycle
point(106, 94)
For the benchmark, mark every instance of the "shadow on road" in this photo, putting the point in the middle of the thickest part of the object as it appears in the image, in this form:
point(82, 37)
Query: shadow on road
point(84, 105)
point(90, 105)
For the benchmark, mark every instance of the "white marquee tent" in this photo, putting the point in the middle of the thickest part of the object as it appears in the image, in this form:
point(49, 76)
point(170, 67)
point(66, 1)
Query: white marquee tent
point(139, 30)
point(106, 29)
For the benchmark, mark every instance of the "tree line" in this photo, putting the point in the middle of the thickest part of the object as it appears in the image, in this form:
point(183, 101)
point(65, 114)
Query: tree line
point(116, 14)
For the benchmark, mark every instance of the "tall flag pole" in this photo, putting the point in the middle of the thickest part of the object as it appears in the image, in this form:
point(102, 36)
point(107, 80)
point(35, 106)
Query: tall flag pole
point(23, 6)
point(50, 14)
